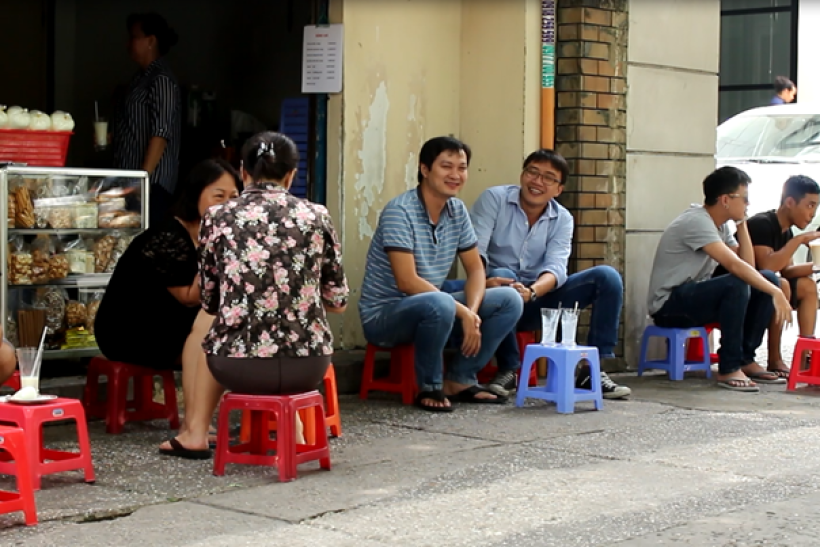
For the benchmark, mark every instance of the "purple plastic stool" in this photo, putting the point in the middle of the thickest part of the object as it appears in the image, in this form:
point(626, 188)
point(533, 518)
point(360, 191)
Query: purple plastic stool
point(560, 388)
point(675, 363)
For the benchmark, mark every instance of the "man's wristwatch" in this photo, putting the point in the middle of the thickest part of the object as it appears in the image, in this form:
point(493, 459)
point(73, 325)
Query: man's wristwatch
point(533, 296)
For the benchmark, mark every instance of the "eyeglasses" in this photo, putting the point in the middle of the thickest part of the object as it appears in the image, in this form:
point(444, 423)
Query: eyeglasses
point(744, 198)
point(548, 178)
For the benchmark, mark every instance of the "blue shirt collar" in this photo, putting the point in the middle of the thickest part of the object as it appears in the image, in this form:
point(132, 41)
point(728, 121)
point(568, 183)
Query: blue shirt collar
point(514, 196)
point(448, 205)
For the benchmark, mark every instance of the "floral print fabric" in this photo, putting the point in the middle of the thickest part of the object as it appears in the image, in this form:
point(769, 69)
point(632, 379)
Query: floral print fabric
point(270, 262)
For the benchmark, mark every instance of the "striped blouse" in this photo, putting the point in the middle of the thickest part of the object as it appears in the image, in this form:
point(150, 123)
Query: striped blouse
point(152, 108)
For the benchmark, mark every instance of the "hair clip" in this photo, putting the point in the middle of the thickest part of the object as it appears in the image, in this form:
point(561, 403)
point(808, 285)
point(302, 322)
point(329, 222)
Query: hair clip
point(265, 148)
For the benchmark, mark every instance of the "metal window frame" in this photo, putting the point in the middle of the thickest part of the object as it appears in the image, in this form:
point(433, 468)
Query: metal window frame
point(794, 9)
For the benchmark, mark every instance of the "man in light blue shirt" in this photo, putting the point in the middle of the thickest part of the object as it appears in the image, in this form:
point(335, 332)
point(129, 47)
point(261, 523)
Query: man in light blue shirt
point(525, 240)
point(419, 235)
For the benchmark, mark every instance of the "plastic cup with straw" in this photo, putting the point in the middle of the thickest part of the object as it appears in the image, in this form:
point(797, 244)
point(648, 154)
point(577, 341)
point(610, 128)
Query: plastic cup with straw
point(100, 128)
point(39, 359)
point(569, 326)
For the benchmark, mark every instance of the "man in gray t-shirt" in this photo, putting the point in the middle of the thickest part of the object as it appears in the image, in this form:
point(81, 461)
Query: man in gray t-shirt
point(683, 293)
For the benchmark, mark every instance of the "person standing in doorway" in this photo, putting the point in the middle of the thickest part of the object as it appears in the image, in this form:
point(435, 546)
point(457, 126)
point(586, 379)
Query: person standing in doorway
point(147, 124)
point(784, 91)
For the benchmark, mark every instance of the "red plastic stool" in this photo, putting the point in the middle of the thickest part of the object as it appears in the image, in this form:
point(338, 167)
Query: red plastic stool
point(524, 339)
point(13, 447)
point(117, 409)
point(14, 381)
point(810, 376)
point(695, 349)
point(402, 378)
point(289, 454)
point(43, 461)
point(333, 419)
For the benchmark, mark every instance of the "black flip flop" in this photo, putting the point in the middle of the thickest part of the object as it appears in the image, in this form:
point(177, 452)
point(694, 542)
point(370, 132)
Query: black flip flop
point(179, 451)
point(436, 395)
point(469, 396)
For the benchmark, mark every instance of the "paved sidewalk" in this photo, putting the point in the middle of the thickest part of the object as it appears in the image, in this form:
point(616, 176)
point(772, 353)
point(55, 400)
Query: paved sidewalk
point(682, 463)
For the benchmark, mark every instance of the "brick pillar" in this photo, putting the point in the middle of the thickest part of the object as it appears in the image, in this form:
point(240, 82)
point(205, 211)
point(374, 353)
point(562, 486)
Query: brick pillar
point(591, 128)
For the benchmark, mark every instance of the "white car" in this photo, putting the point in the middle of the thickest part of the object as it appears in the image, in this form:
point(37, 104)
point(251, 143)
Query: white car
point(771, 144)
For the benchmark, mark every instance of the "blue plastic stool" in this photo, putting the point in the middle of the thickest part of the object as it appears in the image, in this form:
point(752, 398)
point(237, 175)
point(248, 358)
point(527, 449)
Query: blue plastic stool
point(560, 388)
point(675, 363)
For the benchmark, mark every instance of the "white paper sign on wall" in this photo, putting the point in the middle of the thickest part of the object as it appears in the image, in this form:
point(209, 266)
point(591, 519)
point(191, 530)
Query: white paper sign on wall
point(322, 59)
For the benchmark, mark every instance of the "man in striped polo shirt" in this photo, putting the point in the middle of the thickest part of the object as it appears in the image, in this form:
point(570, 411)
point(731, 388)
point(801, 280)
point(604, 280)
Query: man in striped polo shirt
point(418, 237)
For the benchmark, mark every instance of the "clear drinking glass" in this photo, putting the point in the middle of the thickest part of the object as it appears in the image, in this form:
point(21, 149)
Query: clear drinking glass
point(569, 327)
point(26, 358)
point(549, 325)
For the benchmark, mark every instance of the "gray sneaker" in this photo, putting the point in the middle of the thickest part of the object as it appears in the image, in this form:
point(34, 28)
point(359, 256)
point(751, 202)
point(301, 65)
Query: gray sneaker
point(612, 390)
point(503, 383)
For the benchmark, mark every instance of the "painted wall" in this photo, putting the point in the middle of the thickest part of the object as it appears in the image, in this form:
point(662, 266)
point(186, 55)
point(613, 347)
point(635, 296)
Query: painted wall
point(808, 43)
point(672, 104)
point(414, 70)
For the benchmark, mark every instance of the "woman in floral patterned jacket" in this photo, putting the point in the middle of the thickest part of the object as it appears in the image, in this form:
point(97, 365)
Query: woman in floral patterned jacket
point(271, 271)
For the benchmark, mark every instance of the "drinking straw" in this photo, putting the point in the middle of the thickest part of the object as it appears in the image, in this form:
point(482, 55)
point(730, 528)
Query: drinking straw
point(575, 311)
point(39, 358)
point(96, 111)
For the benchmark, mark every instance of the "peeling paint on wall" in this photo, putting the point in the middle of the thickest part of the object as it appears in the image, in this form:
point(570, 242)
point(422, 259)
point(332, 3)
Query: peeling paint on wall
point(411, 169)
point(373, 158)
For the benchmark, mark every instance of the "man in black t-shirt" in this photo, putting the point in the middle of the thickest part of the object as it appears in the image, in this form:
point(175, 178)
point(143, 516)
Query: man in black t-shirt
point(775, 245)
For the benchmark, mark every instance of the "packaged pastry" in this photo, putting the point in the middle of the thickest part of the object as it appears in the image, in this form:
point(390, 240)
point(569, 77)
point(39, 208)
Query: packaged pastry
point(20, 262)
point(40, 253)
point(61, 217)
point(76, 252)
point(58, 267)
point(91, 298)
point(53, 300)
point(24, 213)
point(85, 216)
point(59, 212)
point(75, 314)
point(103, 249)
point(11, 212)
point(120, 219)
point(11, 331)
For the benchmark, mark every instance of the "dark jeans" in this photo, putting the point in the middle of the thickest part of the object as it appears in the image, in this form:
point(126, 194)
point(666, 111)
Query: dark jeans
point(600, 287)
point(426, 321)
point(743, 313)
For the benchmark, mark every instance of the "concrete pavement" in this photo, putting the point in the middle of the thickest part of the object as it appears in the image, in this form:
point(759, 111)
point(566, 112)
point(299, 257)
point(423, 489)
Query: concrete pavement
point(682, 463)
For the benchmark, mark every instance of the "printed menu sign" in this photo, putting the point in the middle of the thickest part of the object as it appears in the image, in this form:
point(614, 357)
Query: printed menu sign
point(322, 59)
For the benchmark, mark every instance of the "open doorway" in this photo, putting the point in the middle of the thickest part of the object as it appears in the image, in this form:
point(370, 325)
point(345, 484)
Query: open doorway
point(238, 65)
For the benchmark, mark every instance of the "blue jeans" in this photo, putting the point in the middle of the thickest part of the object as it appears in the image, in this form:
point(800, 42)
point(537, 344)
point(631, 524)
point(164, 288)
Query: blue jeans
point(600, 287)
point(426, 321)
point(743, 313)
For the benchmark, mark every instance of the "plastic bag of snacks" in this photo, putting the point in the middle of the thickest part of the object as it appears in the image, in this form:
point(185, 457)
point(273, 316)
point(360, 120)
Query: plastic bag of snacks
point(41, 250)
point(24, 208)
point(77, 253)
point(103, 249)
point(75, 314)
point(53, 300)
point(20, 262)
point(91, 298)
